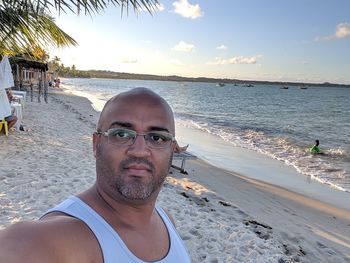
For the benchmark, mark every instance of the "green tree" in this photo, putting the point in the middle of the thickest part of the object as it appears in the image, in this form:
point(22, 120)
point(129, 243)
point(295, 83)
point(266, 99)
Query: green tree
point(33, 53)
point(27, 27)
point(54, 64)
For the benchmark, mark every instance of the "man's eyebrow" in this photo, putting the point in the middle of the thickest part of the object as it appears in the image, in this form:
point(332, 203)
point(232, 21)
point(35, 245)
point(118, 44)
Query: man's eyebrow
point(129, 125)
point(122, 124)
point(157, 128)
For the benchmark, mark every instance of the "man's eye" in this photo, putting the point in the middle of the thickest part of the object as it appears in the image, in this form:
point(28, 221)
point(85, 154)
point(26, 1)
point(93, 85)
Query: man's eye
point(157, 137)
point(120, 134)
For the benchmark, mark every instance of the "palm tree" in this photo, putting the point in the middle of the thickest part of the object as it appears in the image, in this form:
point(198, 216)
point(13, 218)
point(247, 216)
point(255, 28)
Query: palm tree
point(25, 28)
point(26, 23)
point(54, 64)
point(33, 53)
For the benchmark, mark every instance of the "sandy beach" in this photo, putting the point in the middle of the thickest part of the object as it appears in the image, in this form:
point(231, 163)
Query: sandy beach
point(222, 216)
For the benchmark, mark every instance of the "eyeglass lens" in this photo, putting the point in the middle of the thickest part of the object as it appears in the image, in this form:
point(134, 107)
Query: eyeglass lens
point(127, 137)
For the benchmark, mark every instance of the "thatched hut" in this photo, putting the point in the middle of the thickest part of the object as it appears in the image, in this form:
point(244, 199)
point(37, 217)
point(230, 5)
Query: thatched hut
point(30, 75)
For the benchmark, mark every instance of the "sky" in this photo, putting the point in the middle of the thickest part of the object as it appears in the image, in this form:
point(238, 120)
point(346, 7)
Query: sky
point(273, 40)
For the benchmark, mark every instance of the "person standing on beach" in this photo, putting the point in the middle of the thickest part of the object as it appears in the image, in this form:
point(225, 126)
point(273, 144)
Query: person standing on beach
point(315, 149)
point(118, 218)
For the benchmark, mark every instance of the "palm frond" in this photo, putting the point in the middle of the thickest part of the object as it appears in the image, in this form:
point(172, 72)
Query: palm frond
point(24, 26)
point(87, 6)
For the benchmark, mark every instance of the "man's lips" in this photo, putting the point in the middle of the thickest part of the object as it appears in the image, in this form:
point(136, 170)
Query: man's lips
point(137, 169)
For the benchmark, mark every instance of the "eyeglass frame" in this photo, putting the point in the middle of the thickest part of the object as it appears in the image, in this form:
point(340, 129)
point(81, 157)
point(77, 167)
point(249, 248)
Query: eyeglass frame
point(136, 134)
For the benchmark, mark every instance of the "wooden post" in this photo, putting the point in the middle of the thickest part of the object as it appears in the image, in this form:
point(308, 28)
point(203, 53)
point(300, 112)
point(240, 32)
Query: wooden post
point(46, 85)
point(20, 79)
point(31, 92)
point(40, 84)
point(17, 77)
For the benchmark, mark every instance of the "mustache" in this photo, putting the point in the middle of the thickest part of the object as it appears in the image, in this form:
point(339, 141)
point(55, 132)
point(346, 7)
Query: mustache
point(137, 160)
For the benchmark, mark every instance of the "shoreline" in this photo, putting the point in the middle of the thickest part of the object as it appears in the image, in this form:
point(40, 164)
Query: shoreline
point(260, 168)
point(134, 76)
point(222, 216)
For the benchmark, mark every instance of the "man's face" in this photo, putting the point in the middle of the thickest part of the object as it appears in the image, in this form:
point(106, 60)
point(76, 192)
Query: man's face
point(134, 172)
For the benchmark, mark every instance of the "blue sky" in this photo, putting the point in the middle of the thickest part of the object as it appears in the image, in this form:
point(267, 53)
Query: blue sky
point(276, 40)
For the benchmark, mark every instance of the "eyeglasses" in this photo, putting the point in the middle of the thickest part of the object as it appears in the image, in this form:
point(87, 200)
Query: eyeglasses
point(125, 137)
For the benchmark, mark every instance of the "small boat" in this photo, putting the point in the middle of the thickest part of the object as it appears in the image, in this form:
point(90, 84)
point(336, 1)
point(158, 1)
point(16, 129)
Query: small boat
point(220, 84)
point(303, 87)
point(285, 87)
point(248, 85)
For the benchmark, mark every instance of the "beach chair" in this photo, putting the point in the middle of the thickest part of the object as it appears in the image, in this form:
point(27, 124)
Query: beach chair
point(183, 156)
point(4, 123)
point(20, 97)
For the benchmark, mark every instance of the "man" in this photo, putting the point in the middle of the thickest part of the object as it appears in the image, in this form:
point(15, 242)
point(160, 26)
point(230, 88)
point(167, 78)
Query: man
point(133, 147)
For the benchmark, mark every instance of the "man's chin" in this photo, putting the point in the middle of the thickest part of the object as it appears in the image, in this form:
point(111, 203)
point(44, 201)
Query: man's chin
point(136, 192)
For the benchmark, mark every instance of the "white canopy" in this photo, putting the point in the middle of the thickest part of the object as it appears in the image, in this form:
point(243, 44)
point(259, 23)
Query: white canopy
point(6, 81)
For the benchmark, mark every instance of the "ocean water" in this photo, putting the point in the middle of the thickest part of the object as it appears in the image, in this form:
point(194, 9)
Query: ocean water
point(279, 123)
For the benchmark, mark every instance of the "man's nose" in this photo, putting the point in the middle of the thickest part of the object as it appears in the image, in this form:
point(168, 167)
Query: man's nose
point(139, 148)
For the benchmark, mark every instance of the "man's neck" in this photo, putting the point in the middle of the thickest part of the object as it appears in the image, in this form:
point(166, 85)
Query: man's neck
point(118, 211)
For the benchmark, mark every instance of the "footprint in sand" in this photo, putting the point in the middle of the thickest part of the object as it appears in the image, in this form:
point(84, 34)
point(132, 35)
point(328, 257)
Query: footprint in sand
point(195, 233)
point(261, 230)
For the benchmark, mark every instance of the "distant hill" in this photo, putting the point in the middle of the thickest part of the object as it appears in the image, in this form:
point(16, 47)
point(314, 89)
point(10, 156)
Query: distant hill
point(122, 75)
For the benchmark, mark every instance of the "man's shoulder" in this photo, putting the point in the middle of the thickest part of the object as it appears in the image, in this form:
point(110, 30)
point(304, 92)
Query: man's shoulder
point(169, 215)
point(52, 239)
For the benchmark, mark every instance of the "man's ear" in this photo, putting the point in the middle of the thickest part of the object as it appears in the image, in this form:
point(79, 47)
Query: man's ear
point(175, 147)
point(94, 143)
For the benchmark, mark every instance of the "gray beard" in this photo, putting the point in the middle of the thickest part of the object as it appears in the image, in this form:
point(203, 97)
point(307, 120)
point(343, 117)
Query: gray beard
point(136, 189)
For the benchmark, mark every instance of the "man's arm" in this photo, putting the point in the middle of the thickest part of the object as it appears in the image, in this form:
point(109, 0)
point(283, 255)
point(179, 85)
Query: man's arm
point(60, 239)
point(23, 242)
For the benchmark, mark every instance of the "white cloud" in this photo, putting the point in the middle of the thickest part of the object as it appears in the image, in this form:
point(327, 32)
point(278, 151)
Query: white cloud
point(221, 47)
point(234, 60)
point(183, 46)
point(342, 31)
point(185, 9)
point(129, 60)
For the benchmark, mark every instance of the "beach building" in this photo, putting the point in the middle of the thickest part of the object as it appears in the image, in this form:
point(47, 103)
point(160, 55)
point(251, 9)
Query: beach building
point(22, 76)
point(30, 75)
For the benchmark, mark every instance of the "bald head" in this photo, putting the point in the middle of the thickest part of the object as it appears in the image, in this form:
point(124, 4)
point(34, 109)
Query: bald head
point(139, 103)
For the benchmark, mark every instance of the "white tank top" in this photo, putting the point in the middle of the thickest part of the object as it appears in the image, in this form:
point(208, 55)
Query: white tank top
point(113, 247)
